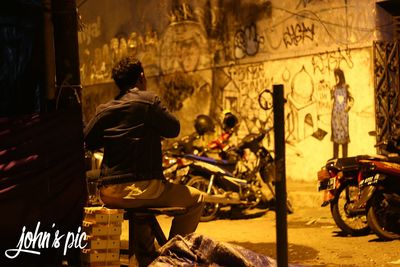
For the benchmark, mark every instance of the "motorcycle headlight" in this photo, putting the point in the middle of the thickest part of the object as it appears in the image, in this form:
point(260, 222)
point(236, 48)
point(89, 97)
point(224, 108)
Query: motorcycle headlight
point(168, 161)
point(184, 161)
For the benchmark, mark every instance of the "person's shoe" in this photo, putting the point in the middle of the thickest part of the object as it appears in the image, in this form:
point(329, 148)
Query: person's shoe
point(144, 260)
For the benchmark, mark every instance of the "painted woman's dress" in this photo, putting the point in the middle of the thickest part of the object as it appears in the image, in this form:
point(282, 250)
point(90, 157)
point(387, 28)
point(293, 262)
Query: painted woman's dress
point(340, 115)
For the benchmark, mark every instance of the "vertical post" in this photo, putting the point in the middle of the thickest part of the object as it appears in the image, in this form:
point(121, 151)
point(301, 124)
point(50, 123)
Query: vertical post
point(280, 176)
point(49, 52)
point(67, 98)
point(67, 55)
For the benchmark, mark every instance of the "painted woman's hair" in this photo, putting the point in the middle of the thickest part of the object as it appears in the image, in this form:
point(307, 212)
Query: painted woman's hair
point(339, 73)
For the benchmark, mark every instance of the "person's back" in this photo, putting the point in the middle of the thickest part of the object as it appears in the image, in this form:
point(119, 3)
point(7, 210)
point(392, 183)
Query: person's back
point(129, 129)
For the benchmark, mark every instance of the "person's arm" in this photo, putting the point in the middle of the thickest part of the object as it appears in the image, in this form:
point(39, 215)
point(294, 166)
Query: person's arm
point(350, 99)
point(162, 120)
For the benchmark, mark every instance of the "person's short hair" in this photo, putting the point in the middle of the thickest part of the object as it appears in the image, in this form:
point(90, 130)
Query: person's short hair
point(126, 73)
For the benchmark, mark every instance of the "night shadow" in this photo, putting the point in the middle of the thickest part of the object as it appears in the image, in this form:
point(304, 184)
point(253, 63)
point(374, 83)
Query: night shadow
point(340, 234)
point(379, 240)
point(240, 215)
point(343, 234)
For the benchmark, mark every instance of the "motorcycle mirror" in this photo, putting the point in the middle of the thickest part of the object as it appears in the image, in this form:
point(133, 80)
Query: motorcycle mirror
point(382, 143)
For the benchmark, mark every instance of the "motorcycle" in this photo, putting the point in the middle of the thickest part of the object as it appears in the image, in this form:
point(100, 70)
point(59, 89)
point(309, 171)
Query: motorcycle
point(380, 193)
point(203, 124)
point(235, 181)
point(338, 180)
point(172, 154)
point(93, 161)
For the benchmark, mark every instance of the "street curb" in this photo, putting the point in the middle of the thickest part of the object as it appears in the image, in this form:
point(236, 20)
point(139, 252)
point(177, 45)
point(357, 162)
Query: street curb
point(303, 194)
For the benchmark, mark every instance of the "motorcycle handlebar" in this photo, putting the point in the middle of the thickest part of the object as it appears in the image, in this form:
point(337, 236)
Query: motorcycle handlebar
point(381, 143)
point(390, 146)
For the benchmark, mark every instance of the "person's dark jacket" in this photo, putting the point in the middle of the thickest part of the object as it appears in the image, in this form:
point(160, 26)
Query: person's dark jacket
point(130, 130)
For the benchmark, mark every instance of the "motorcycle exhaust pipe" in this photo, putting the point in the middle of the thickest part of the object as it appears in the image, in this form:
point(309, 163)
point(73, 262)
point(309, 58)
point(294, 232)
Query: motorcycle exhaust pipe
point(221, 199)
point(357, 212)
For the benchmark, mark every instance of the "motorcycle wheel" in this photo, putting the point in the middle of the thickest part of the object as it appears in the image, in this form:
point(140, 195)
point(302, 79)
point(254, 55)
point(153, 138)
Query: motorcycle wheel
point(210, 209)
point(384, 224)
point(345, 196)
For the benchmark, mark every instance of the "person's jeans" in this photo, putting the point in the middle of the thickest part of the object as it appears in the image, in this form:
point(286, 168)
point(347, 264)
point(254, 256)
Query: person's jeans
point(173, 195)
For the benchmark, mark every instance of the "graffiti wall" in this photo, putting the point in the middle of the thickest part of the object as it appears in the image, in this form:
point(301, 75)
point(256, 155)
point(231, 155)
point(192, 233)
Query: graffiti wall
point(309, 92)
point(207, 56)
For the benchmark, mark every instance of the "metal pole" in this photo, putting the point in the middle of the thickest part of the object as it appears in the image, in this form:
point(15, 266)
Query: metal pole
point(49, 51)
point(67, 55)
point(68, 95)
point(280, 176)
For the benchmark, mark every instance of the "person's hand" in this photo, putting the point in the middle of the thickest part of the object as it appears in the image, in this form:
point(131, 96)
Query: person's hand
point(348, 107)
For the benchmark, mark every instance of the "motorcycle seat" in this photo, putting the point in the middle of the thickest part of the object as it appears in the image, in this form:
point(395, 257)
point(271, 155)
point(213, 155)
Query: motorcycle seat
point(346, 164)
point(388, 158)
point(394, 159)
point(228, 166)
point(219, 162)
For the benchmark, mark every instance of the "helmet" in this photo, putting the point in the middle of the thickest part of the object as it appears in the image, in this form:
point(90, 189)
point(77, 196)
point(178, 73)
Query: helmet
point(230, 121)
point(203, 124)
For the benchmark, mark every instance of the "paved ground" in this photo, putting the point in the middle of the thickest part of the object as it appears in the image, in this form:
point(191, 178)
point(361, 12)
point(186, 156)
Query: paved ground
point(313, 238)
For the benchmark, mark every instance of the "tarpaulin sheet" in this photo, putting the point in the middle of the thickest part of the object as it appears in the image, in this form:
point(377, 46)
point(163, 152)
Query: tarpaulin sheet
point(199, 250)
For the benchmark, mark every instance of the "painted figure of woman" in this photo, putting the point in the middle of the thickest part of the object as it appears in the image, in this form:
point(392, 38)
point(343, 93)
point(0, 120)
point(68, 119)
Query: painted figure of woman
point(342, 103)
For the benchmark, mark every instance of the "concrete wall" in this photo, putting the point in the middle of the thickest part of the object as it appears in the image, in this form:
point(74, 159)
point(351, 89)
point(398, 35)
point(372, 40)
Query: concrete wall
point(206, 56)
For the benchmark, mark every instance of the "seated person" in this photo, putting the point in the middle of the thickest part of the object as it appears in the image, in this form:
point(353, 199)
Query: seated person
point(130, 128)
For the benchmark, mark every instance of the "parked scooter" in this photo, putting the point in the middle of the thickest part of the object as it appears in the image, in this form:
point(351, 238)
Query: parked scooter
point(232, 182)
point(342, 180)
point(172, 154)
point(380, 193)
point(217, 149)
point(338, 179)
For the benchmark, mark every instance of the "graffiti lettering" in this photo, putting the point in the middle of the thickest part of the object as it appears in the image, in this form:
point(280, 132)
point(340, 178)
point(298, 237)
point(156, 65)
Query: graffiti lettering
point(183, 12)
point(328, 61)
point(298, 33)
point(247, 42)
point(92, 30)
point(323, 96)
point(250, 72)
point(254, 85)
point(242, 96)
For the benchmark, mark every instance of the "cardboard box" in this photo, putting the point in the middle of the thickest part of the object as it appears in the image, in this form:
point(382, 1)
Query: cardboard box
point(103, 243)
point(103, 230)
point(100, 256)
point(103, 215)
